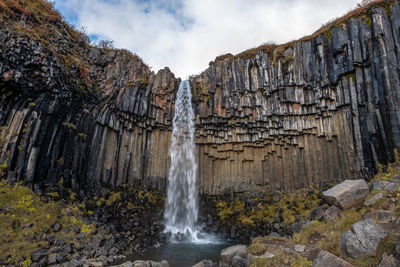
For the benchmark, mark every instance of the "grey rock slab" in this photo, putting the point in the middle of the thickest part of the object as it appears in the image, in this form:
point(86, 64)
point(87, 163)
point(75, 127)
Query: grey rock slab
point(372, 200)
point(362, 239)
point(379, 216)
point(384, 185)
point(229, 253)
point(348, 194)
point(325, 259)
point(389, 261)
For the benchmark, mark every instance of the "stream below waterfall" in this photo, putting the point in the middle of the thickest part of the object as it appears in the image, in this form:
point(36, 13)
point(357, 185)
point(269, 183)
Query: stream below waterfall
point(184, 254)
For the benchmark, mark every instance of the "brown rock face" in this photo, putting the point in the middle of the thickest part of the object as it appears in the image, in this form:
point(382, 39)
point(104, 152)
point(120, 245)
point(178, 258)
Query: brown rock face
point(316, 111)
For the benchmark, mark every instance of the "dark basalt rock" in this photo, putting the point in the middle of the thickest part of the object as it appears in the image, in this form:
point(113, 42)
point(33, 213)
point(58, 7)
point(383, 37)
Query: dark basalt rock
point(264, 122)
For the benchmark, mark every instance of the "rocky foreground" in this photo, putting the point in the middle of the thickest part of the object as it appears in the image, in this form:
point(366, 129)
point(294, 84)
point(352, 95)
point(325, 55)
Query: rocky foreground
point(354, 223)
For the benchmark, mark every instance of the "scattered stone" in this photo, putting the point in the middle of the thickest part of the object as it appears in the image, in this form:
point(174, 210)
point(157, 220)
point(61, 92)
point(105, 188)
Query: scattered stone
point(325, 259)
point(379, 216)
point(125, 264)
point(205, 263)
point(150, 264)
point(56, 227)
point(362, 239)
point(228, 254)
point(38, 254)
point(52, 260)
point(274, 234)
point(238, 261)
point(332, 214)
point(27, 226)
point(317, 213)
point(348, 194)
point(398, 245)
point(76, 228)
point(267, 255)
point(384, 185)
point(287, 250)
point(297, 227)
point(299, 248)
point(75, 263)
point(371, 201)
point(389, 261)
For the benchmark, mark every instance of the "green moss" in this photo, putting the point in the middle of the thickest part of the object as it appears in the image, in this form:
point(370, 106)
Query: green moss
point(113, 198)
point(24, 207)
point(70, 125)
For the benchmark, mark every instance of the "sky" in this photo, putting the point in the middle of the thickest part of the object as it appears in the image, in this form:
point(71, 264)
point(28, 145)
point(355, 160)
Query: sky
point(185, 35)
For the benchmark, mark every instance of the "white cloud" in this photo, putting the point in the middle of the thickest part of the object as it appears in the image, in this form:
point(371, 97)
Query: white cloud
point(186, 35)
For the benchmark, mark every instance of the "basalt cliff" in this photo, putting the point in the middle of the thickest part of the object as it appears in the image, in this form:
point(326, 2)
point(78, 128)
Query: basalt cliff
point(275, 118)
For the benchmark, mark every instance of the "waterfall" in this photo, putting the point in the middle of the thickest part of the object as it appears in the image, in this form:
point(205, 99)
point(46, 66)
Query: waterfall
point(182, 201)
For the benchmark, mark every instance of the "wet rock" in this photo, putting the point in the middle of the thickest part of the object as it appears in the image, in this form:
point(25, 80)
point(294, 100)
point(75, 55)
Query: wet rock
point(379, 216)
point(362, 239)
point(384, 185)
point(348, 194)
point(372, 200)
point(227, 255)
point(325, 259)
point(332, 214)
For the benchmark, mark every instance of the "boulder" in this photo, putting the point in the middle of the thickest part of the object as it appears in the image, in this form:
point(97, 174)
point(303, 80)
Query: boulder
point(229, 253)
point(348, 194)
point(389, 261)
point(332, 214)
point(384, 185)
point(379, 216)
point(38, 254)
point(362, 239)
point(325, 259)
point(372, 200)
point(150, 264)
point(317, 213)
point(297, 227)
point(299, 248)
point(125, 264)
point(205, 263)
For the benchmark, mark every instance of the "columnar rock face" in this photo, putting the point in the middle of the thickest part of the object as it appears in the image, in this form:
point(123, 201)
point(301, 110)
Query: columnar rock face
point(315, 111)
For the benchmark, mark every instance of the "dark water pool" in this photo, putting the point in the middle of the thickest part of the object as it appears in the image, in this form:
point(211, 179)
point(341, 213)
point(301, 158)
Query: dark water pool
point(184, 254)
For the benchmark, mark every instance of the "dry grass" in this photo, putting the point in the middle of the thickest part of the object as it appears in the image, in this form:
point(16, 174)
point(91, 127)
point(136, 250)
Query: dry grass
point(23, 207)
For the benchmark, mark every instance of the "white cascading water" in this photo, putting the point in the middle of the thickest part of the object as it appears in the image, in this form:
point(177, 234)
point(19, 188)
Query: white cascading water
point(181, 207)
